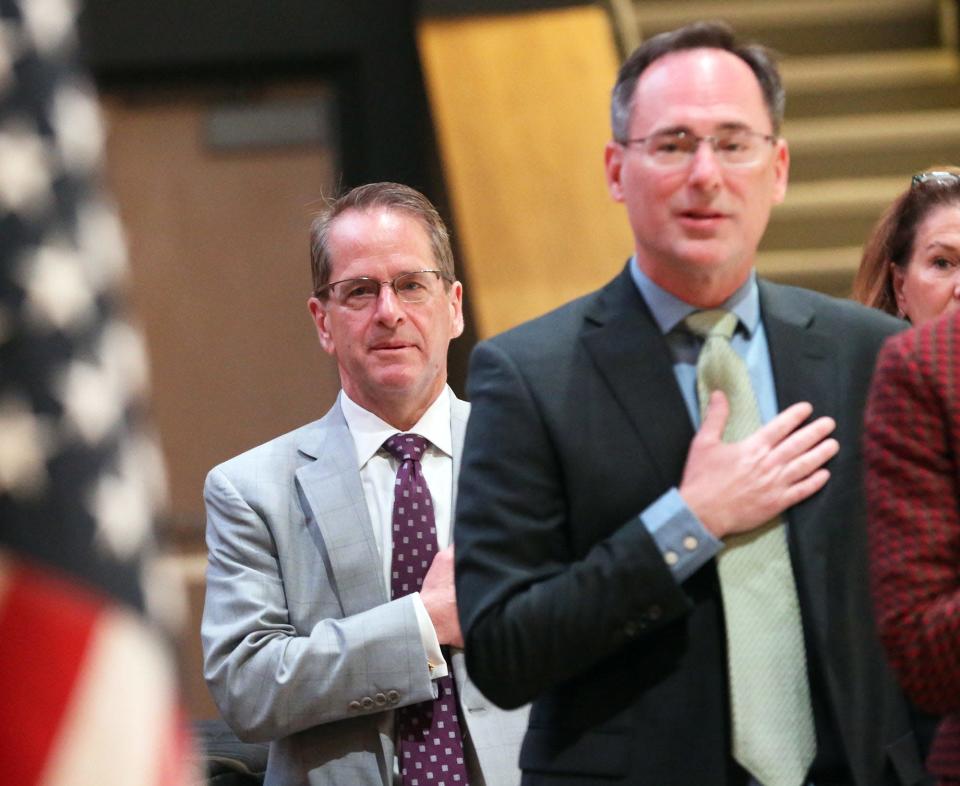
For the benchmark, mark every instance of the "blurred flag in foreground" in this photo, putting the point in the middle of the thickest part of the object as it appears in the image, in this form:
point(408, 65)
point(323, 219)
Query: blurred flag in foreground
point(88, 691)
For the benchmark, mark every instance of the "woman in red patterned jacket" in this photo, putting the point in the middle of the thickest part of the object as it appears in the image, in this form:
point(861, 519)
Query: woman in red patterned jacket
point(912, 459)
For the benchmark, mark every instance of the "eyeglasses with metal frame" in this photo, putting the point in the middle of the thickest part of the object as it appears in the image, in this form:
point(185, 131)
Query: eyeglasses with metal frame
point(416, 286)
point(734, 147)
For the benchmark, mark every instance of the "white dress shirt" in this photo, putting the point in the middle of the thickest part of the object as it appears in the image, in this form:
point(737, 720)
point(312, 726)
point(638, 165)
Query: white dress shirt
point(378, 474)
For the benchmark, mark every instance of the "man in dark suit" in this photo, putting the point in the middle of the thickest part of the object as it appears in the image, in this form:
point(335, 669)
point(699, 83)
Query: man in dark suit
point(685, 607)
point(912, 455)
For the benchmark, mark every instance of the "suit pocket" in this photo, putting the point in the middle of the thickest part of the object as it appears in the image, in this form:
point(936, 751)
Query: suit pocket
point(570, 752)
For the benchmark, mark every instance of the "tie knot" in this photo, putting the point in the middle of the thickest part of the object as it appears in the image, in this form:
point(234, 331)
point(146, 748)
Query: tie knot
point(406, 447)
point(714, 322)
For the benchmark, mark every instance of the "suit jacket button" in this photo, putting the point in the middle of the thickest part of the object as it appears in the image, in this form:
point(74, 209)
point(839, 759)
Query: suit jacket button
point(367, 703)
point(380, 699)
point(631, 629)
point(353, 706)
point(393, 696)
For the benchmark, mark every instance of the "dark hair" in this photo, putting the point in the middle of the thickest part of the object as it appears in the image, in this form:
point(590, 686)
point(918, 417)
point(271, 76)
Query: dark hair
point(391, 196)
point(710, 35)
point(892, 238)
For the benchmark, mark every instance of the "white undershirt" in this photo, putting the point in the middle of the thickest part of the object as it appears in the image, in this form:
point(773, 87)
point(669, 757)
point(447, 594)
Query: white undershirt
point(378, 474)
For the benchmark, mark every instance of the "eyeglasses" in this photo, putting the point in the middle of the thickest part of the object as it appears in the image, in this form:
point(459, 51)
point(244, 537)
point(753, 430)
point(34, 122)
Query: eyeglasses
point(736, 147)
point(939, 177)
point(358, 293)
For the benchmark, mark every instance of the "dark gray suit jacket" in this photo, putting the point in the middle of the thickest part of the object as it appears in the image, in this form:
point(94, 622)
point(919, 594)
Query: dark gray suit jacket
point(577, 426)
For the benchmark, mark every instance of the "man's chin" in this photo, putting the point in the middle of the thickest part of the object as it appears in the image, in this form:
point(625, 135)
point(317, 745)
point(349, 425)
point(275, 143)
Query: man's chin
point(707, 253)
point(396, 381)
point(712, 259)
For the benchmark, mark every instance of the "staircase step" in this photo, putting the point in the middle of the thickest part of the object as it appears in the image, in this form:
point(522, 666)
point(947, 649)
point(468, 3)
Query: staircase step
point(829, 270)
point(834, 73)
point(823, 214)
point(808, 26)
point(845, 197)
point(899, 98)
point(779, 13)
point(872, 144)
point(871, 82)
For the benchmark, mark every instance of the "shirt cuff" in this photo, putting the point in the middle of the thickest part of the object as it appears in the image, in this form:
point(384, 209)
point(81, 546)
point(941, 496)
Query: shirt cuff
point(685, 543)
point(431, 645)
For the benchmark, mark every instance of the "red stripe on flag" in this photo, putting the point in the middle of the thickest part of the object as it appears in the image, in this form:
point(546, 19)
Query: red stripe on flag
point(174, 765)
point(45, 626)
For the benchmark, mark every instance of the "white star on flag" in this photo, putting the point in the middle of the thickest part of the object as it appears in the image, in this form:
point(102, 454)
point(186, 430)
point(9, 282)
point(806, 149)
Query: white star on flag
point(58, 294)
point(125, 358)
point(102, 243)
point(48, 22)
point(25, 441)
point(25, 163)
point(92, 402)
point(79, 129)
point(122, 507)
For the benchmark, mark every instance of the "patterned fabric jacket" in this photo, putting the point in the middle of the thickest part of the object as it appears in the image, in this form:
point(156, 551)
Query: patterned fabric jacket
point(912, 452)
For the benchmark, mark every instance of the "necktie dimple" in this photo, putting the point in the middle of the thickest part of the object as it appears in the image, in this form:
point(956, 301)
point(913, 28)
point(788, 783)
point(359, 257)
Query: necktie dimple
point(430, 743)
point(773, 733)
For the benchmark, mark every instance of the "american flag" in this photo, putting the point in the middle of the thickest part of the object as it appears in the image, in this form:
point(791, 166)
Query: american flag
point(89, 692)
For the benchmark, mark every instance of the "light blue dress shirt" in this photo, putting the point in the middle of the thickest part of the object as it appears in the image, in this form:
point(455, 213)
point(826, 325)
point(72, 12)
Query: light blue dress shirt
point(685, 543)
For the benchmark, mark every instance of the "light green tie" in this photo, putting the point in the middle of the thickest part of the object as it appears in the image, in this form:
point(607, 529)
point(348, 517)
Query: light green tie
point(773, 733)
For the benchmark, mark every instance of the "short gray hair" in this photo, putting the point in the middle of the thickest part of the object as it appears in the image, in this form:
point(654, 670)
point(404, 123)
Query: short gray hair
point(709, 35)
point(391, 196)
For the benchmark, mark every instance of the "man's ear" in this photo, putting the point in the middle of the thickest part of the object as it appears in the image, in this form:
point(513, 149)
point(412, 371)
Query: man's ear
point(456, 308)
point(613, 167)
point(319, 314)
point(781, 170)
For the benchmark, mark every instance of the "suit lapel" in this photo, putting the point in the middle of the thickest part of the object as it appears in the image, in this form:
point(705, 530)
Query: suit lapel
point(332, 492)
point(803, 371)
point(800, 355)
point(632, 357)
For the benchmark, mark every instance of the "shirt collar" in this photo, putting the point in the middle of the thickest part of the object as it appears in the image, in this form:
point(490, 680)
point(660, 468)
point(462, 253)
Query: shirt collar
point(369, 431)
point(669, 311)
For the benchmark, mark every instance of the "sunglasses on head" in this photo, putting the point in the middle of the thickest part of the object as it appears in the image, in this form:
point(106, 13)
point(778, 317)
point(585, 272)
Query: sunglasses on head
point(938, 177)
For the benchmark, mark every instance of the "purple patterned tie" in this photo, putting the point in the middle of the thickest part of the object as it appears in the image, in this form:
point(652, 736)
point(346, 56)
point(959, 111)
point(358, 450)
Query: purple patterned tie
point(430, 742)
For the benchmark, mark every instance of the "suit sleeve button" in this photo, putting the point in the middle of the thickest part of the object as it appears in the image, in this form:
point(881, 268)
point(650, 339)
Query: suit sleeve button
point(654, 613)
point(631, 629)
point(367, 703)
point(380, 699)
point(393, 696)
point(353, 706)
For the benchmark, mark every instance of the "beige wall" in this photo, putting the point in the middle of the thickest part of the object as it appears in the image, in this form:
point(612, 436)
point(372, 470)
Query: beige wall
point(220, 278)
point(218, 245)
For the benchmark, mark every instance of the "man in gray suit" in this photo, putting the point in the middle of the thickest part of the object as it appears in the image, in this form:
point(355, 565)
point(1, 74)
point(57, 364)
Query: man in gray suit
point(315, 636)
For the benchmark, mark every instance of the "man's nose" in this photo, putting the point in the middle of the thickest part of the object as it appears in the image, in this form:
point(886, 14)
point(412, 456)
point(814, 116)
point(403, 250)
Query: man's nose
point(705, 171)
point(389, 308)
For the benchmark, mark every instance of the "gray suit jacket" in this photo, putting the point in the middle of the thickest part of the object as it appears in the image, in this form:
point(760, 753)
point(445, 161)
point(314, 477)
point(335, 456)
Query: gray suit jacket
point(302, 645)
